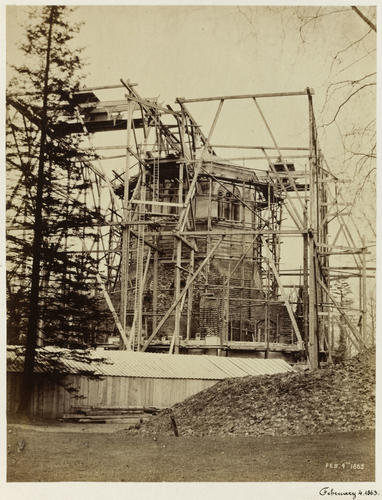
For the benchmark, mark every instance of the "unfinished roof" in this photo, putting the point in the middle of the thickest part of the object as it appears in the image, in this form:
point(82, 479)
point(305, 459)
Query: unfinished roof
point(154, 365)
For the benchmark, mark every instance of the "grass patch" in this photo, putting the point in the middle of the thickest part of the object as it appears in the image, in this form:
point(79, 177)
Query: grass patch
point(121, 456)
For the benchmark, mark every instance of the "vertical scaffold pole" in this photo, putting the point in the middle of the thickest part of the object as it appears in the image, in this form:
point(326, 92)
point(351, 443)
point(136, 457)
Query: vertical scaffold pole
point(178, 310)
point(313, 327)
point(126, 219)
point(305, 291)
point(364, 295)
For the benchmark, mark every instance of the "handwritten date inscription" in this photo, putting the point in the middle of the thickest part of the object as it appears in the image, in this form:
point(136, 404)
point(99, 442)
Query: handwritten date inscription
point(344, 465)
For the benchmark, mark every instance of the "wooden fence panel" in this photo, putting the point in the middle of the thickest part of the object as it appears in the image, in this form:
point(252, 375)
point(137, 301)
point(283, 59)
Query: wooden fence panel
point(51, 400)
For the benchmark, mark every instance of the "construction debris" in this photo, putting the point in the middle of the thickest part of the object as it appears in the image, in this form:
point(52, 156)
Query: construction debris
point(338, 398)
point(93, 415)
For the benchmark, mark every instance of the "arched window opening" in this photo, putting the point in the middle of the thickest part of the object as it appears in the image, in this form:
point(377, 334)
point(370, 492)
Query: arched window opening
point(235, 204)
point(229, 205)
point(221, 204)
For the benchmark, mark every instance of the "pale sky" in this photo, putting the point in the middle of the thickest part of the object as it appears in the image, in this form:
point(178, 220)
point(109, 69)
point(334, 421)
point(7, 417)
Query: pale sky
point(199, 51)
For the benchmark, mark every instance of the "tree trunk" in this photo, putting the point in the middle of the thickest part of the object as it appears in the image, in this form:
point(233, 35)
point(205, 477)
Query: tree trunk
point(30, 352)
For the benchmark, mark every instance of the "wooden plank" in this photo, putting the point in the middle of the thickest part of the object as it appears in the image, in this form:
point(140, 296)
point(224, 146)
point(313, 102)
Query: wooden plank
point(87, 408)
point(160, 203)
point(150, 393)
point(87, 421)
point(122, 105)
point(237, 232)
point(91, 89)
point(53, 406)
point(66, 397)
point(282, 148)
point(244, 96)
point(60, 400)
point(104, 416)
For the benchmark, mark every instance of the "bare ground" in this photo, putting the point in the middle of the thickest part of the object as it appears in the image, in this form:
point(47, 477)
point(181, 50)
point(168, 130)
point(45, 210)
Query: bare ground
point(99, 453)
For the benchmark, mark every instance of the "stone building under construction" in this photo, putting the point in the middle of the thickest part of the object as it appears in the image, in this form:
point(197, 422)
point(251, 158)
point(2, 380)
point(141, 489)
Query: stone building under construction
point(232, 298)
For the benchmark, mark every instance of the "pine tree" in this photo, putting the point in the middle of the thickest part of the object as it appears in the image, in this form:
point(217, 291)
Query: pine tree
point(49, 288)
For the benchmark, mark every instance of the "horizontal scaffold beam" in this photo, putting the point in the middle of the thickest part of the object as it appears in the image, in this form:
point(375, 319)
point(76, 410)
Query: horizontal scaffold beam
point(245, 96)
point(230, 232)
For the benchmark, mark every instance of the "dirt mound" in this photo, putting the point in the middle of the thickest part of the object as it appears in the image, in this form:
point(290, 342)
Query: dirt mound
point(334, 399)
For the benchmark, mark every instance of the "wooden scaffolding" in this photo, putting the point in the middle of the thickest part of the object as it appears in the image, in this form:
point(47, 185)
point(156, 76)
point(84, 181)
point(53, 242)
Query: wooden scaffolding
point(190, 244)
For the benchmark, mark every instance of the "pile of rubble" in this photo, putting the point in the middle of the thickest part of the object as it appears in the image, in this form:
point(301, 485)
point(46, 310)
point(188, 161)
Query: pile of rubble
point(333, 399)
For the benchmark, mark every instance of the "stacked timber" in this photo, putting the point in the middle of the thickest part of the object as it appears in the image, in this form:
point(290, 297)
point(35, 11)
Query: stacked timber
point(102, 415)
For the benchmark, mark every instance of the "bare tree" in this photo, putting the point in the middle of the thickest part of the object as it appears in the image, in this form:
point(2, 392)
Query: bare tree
point(346, 110)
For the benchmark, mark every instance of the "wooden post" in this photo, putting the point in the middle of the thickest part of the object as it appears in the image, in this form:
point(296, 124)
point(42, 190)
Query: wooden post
point(155, 285)
point(126, 219)
point(278, 327)
point(209, 222)
point(190, 295)
point(139, 268)
point(184, 176)
point(266, 317)
point(331, 325)
point(267, 260)
point(177, 293)
point(243, 292)
point(174, 426)
point(305, 291)
point(364, 294)
point(226, 305)
point(242, 296)
point(178, 268)
point(372, 314)
point(313, 340)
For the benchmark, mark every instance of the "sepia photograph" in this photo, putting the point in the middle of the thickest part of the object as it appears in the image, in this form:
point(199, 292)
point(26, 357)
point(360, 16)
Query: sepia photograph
point(190, 285)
